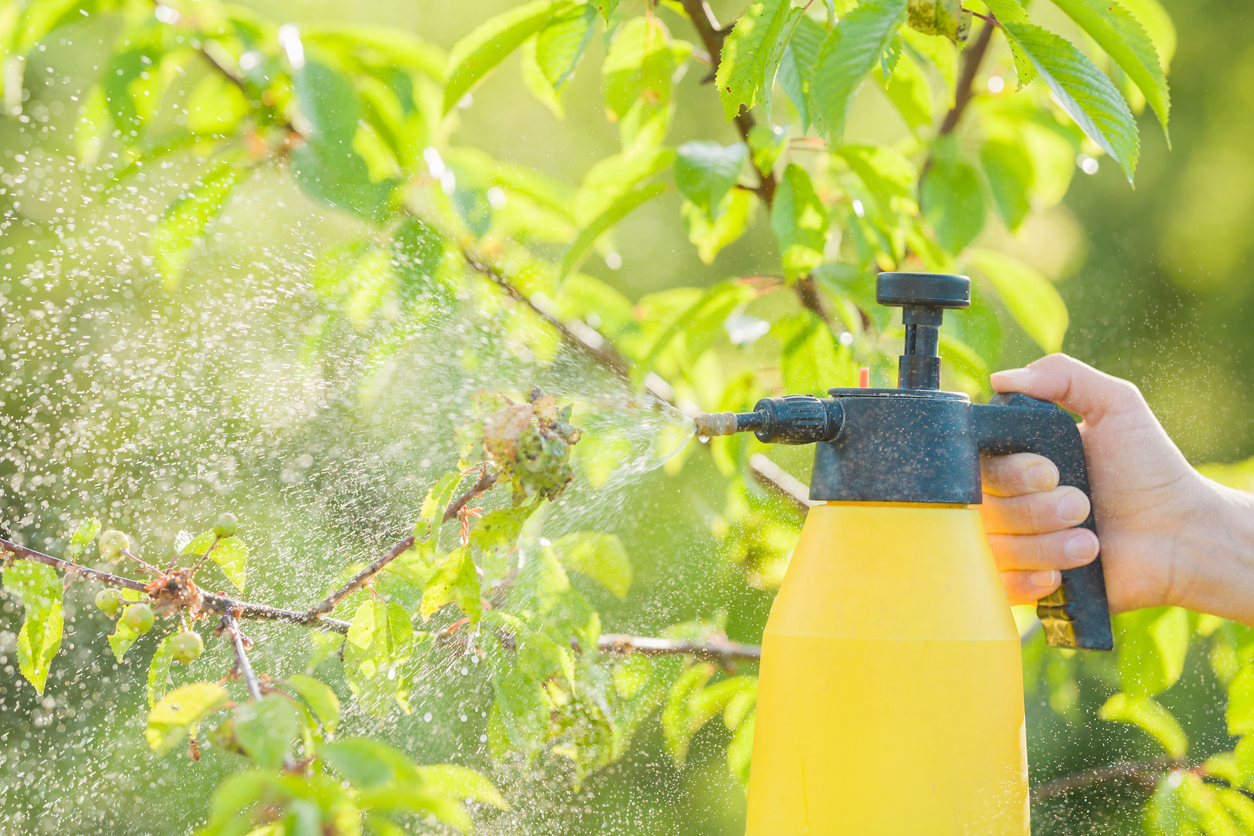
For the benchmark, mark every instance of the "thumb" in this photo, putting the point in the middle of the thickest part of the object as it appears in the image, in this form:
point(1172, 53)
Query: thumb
point(1073, 385)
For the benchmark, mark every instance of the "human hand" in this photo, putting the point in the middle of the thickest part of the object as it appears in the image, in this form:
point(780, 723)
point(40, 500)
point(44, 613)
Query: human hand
point(1144, 494)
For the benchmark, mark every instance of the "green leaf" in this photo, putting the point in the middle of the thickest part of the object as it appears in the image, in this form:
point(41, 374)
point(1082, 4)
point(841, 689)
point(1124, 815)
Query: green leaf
point(367, 763)
point(706, 171)
point(84, 533)
point(183, 224)
point(132, 83)
point(1240, 710)
point(911, 94)
point(460, 784)
point(1150, 717)
point(39, 640)
point(498, 531)
point(479, 52)
point(848, 55)
point(1082, 90)
point(796, 66)
point(1008, 169)
point(800, 222)
point(742, 66)
point(456, 581)
point(887, 175)
point(1123, 38)
point(326, 164)
point(620, 208)
point(319, 697)
point(639, 66)
point(735, 213)
point(676, 728)
point(121, 639)
point(159, 670)
point(560, 45)
point(775, 58)
point(179, 712)
point(1153, 644)
point(599, 556)
point(231, 555)
point(266, 728)
point(952, 202)
point(431, 516)
point(811, 361)
point(1158, 25)
point(1029, 297)
point(416, 252)
point(379, 635)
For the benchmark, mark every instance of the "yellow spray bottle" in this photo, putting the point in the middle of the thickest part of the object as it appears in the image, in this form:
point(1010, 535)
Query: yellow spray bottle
point(890, 696)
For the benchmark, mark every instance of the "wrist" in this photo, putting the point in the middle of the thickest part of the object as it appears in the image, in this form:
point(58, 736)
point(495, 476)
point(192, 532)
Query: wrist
point(1212, 567)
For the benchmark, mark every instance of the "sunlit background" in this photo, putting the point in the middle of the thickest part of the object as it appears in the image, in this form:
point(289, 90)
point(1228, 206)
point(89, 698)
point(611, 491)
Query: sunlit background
point(155, 409)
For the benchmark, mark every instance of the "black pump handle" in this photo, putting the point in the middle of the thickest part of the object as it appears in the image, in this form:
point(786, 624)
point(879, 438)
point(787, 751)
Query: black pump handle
point(1077, 613)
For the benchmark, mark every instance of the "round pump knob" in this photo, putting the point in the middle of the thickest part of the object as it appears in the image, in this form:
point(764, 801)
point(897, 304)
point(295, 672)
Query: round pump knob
point(928, 290)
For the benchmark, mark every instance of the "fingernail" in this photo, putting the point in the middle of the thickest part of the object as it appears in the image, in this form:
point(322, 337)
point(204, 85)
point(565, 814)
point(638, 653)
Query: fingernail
point(1044, 580)
point(1011, 376)
point(1040, 476)
point(1079, 547)
point(1073, 508)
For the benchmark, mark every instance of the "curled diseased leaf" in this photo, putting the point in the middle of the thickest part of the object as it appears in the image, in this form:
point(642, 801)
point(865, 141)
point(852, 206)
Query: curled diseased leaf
point(939, 17)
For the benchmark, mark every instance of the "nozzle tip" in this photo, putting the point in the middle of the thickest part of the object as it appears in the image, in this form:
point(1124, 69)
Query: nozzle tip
point(715, 423)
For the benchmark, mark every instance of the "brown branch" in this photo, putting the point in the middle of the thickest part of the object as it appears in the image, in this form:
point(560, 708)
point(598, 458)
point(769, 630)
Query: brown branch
point(965, 90)
point(359, 580)
point(1143, 773)
point(585, 339)
point(231, 627)
point(717, 649)
point(485, 483)
point(13, 550)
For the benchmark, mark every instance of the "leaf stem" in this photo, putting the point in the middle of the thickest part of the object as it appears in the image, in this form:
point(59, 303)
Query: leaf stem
point(1144, 773)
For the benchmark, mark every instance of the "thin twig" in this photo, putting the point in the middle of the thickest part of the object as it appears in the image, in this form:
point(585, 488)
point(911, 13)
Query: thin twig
point(965, 90)
point(359, 580)
point(241, 656)
point(1144, 773)
point(13, 550)
point(584, 339)
point(485, 483)
point(717, 649)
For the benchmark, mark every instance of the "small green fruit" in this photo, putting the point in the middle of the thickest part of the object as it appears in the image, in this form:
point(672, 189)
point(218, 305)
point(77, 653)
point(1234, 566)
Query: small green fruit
point(108, 601)
point(138, 617)
point(187, 646)
point(225, 526)
point(112, 543)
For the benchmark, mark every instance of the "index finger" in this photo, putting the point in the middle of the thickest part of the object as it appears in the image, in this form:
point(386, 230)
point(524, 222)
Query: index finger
point(1017, 474)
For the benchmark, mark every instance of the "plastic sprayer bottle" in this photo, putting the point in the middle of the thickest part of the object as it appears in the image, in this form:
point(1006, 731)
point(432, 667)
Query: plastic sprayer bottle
point(891, 699)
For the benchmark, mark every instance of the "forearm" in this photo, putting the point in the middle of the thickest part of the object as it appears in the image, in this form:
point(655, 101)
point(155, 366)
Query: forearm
point(1213, 569)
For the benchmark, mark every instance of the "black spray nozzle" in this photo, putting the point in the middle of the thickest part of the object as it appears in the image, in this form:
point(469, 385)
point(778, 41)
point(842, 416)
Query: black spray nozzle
point(795, 419)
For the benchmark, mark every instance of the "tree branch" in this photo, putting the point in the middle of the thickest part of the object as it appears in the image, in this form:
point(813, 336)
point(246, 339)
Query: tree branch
point(781, 481)
point(965, 90)
point(241, 656)
point(359, 580)
point(717, 649)
point(1144, 773)
point(485, 484)
point(586, 339)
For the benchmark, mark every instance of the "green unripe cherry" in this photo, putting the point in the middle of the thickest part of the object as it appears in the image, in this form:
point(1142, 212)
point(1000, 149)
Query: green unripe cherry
point(112, 543)
point(108, 601)
point(138, 617)
point(187, 646)
point(225, 526)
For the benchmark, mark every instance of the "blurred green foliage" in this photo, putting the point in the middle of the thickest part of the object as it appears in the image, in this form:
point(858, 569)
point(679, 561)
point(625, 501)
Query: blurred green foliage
point(264, 267)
